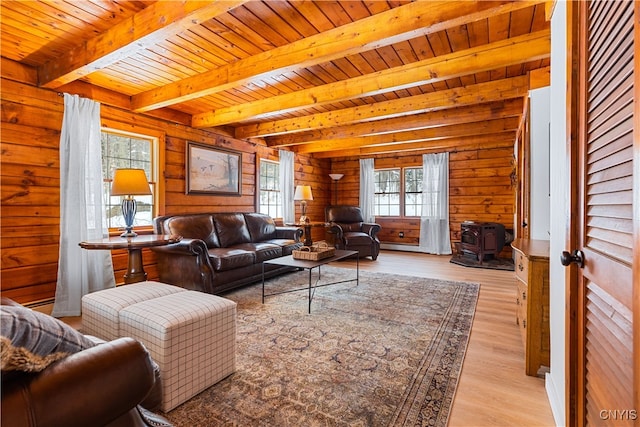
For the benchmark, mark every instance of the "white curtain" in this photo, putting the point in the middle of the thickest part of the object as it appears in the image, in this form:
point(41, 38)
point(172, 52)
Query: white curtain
point(287, 159)
point(367, 190)
point(434, 222)
point(82, 216)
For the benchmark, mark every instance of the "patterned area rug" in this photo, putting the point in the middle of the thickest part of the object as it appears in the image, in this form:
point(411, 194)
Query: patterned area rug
point(387, 352)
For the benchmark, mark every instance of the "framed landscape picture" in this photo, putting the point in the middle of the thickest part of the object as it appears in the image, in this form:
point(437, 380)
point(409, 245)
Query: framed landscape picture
point(213, 170)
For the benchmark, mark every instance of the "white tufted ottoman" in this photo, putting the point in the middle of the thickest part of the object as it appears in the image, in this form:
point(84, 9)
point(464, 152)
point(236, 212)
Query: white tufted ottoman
point(191, 335)
point(101, 309)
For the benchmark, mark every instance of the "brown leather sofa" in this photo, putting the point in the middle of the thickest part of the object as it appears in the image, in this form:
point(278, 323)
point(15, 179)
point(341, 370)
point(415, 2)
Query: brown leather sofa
point(347, 229)
point(222, 251)
point(104, 385)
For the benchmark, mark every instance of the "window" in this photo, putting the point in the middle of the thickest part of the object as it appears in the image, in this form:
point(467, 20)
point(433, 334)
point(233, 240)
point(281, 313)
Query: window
point(413, 191)
point(270, 199)
point(398, 190)
point(127, 150)
point(387, 192)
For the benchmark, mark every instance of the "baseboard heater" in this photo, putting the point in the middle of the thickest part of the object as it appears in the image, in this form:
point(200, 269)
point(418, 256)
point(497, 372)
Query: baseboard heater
point(40, 303)
point(400, 247)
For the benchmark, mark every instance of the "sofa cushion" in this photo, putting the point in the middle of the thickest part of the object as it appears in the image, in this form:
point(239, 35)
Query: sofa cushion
point(223, 259)
point(264, 251)
point(287, 245)
point(357, 238)
point(194, 227)
point(231, 229)
point(261, 227)
point(352, 226)
point(34, 339)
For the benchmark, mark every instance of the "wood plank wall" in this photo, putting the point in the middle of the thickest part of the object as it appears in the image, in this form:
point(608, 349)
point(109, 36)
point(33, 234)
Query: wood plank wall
point(30, 179)
point(480, 187)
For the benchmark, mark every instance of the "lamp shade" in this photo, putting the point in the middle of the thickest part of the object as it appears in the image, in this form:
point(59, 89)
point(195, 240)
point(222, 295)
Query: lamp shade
point(303, 192)
point(130, 182)
point(336, 176)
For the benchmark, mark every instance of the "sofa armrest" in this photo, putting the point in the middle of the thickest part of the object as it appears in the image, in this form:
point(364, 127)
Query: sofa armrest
point(334, 228)
point(371, 229)
point(191, 247)
point(185, 264)
point(92, 387)
point(288, 232)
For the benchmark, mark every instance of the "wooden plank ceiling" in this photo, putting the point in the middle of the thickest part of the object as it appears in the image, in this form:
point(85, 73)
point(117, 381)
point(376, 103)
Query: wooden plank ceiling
point(332, 78)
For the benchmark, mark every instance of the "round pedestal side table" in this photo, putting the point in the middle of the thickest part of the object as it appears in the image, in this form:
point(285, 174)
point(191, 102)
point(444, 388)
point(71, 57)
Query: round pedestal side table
point(134, 245)
point(308, 241)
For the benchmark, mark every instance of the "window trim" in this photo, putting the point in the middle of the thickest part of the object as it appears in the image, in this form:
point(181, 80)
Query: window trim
point(158, 164)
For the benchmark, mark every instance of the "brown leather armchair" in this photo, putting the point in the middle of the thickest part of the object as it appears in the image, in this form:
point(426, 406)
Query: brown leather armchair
point(100, 386)
point(105, 385)
point(348, 230)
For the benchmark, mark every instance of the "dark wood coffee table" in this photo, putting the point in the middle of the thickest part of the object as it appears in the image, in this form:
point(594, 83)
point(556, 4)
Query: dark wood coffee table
point(303, 264)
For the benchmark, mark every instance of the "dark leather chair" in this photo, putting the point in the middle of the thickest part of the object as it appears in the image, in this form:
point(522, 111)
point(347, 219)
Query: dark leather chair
point(347, 230)
point(110, 384)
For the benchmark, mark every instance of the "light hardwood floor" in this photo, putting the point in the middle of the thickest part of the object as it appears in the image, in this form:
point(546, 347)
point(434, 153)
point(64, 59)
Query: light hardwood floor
point(493, 389)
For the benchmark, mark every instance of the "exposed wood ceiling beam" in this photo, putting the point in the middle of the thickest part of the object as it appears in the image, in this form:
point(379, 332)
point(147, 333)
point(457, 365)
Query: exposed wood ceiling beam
point(488, 57)
point(136, 33)
point(540, 77)
point(398, 24)
point(444, 117)
point(515, 87)
point(446, 144)
point(453, 131)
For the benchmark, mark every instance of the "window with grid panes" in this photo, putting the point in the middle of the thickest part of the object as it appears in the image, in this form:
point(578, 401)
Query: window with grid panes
point(127, 150)
point(413, 191)
point(387, 192)
point(270, 199)
point(398, 190)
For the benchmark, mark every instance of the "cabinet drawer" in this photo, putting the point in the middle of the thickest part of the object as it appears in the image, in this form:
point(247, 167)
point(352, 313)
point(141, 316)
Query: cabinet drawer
point(521, 297)
point(523, 333)
point(521, 301)
point(522, 267)
point(521, 310)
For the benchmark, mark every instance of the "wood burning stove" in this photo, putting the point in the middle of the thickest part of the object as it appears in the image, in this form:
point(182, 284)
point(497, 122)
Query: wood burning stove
point(482, 239)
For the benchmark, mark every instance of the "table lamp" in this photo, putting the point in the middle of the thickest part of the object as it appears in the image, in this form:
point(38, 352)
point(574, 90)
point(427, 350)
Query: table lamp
point(129, 183)
point(303, 193)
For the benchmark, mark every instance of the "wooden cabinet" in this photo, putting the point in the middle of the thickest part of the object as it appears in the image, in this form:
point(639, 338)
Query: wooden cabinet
point(532, 299)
